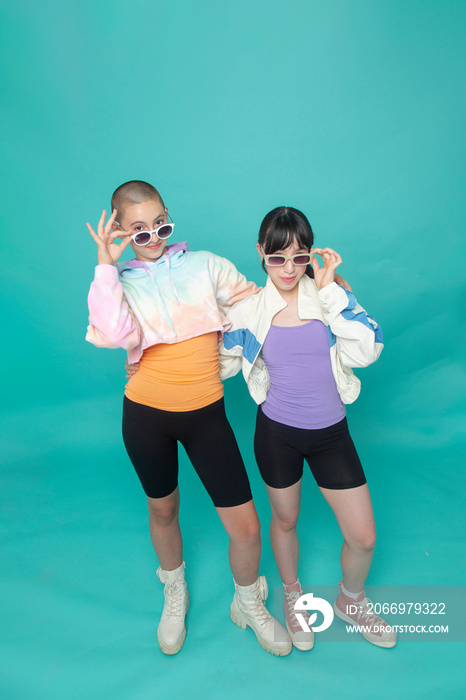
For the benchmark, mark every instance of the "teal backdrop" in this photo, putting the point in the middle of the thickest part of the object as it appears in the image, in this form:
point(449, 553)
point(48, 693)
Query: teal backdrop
point(350, 111)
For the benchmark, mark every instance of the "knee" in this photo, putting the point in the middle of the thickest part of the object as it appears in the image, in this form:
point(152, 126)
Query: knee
point(247, 532)
point(162, 514)
point(363, 541)
point(286, 522)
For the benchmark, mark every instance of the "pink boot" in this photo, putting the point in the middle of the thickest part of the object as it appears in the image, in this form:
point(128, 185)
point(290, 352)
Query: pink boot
point(304, 641)
point(360, 613)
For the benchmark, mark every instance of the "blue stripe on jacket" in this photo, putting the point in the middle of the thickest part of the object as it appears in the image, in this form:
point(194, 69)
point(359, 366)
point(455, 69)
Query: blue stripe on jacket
point(245, 339)
point(361, 317)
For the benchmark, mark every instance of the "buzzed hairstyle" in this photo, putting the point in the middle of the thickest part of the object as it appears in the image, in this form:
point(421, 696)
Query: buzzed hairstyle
point(133, 192)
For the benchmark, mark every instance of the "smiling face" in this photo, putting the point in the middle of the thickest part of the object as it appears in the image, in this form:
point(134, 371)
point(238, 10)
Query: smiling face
point(286, 277)
point(145, 216)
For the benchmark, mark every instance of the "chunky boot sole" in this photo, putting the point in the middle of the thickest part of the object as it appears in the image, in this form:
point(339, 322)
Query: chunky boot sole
point(372, 638)
point(238, 618)
point(171, 649)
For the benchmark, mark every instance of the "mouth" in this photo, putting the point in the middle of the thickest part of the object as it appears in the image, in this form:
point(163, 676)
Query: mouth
point(155, 246)
point(287, 280)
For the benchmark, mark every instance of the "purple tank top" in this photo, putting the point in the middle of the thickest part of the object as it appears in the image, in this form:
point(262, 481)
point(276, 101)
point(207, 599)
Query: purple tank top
point(302, 392)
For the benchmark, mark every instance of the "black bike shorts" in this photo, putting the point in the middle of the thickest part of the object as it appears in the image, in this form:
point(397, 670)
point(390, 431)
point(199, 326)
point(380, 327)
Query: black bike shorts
point(151, 439)
point(330, 452)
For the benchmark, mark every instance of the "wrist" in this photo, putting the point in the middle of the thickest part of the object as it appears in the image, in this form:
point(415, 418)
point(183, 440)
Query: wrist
point(104, 260)
point(324, 283)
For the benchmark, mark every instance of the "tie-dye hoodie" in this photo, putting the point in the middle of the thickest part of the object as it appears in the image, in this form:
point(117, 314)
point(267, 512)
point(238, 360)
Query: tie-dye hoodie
point(136, 304)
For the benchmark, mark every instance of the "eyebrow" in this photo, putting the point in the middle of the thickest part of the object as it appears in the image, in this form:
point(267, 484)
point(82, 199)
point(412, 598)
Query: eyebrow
point(159, 216)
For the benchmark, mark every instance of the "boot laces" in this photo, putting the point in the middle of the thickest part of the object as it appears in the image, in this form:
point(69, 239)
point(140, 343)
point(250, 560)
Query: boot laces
point(290, 601)
point(257, 609)
point(174, 599)
point(262, 614)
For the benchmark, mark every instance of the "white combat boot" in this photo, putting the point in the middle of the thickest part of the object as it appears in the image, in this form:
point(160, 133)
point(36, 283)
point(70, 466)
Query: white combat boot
point(248, 610)
point(171, 632)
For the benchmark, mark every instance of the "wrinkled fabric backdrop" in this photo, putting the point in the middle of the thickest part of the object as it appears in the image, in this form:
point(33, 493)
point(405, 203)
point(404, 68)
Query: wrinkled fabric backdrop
point(350, 111)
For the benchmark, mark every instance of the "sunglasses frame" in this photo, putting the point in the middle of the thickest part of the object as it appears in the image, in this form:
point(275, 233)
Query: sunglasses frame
point(134, 235)
point(286, 258)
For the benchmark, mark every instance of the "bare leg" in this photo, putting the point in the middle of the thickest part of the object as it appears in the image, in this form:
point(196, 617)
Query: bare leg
point(243, 527)
point(285, 505)
point(353, 510)
point(165, 530)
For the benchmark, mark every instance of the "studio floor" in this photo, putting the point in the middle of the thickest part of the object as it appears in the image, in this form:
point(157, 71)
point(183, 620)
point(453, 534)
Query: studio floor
point(81, 601)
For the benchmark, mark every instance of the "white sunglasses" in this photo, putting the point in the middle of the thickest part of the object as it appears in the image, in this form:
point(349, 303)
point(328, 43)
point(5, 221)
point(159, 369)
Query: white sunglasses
point(144, 237)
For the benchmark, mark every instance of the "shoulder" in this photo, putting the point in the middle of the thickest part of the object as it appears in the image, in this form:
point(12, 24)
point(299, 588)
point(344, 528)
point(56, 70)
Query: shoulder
point(217, 266)
point(203, 257)
point(248, 306)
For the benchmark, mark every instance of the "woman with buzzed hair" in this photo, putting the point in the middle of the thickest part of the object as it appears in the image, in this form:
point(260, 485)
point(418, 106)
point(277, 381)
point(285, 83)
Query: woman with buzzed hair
point(164, 308)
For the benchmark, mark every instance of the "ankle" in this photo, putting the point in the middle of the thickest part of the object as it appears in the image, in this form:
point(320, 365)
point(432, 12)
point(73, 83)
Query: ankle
point(356, 596)
point(292, 587)
point(173, 576)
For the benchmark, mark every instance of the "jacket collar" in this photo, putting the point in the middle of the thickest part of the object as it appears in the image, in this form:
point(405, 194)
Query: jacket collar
point(308, 301)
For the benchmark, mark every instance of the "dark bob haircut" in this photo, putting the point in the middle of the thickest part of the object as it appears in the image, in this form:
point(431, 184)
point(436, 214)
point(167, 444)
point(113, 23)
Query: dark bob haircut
point(281, 227)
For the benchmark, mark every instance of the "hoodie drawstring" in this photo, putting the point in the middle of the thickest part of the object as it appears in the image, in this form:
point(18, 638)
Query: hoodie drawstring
point(172, 284)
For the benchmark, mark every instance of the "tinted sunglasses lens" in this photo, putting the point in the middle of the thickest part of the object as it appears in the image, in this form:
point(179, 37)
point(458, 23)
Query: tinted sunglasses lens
point(275, 260)
point(302, 259)
point(165, 231)
point(142, 238)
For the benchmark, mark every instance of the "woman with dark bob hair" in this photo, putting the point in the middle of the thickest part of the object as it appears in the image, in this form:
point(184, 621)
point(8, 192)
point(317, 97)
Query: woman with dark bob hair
point(296, 342)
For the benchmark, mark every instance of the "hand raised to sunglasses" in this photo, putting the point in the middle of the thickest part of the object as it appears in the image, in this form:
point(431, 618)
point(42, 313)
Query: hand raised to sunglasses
point(326, 274)
point(108, 252)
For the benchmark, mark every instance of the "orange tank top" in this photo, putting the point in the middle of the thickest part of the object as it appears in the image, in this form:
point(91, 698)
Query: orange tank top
point(178, 376)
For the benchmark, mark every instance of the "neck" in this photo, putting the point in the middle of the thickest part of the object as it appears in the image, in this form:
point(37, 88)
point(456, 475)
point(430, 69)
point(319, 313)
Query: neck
point(289, 295)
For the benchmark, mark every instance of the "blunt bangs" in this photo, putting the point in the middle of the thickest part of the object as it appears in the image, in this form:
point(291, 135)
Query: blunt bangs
point(281, 227)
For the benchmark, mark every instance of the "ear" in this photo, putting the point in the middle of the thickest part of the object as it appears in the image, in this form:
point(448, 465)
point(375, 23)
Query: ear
point(258, 246)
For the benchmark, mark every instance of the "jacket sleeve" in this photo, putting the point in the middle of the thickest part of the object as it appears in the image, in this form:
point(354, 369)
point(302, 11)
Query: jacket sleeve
point(235, 337)
point(357, 335)
point(240, 349)
point(111, 321)
point(230, 355)
point(231, 285)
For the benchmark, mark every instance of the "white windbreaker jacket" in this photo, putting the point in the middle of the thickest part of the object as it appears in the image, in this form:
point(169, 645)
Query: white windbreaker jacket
point(355, 338)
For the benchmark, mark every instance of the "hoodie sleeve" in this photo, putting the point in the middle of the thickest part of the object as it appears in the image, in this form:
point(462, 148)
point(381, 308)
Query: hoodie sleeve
point(358, 336)
point(231, 285)
point(111, 321)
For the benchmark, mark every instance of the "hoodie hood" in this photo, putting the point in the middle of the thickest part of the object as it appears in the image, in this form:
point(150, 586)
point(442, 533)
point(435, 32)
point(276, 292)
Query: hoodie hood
point(172, 256)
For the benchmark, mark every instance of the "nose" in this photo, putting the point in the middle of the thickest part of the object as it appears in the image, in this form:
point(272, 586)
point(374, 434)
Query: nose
point(289, 266)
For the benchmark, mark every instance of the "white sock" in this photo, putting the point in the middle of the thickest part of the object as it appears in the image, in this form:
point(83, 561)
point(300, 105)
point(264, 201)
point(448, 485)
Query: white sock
point(285, 585)
point(354, 596)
